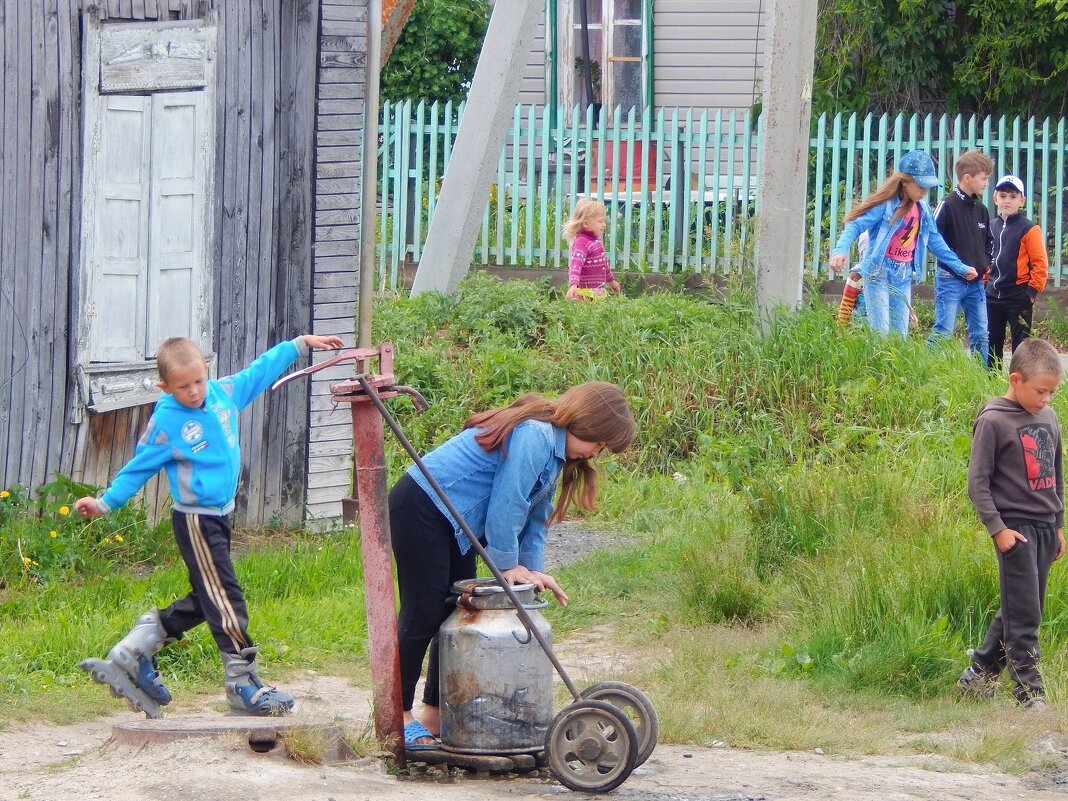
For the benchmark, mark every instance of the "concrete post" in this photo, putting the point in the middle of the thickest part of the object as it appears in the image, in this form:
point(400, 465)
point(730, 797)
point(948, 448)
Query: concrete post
point(465, 187)
point(786, 113)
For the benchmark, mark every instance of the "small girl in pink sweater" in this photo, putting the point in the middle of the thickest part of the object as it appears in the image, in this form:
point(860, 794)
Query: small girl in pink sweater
point(588, 272)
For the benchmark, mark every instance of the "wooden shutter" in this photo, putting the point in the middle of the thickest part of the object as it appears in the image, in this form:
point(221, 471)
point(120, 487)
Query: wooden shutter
point(118, 268)
point(176, 269)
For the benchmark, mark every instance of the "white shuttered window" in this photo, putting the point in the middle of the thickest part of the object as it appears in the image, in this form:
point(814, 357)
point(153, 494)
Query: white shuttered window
point(146, 275)
point(148, 184)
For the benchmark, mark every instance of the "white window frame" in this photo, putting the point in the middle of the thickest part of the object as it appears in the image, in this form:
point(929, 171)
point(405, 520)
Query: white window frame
point(567, 74)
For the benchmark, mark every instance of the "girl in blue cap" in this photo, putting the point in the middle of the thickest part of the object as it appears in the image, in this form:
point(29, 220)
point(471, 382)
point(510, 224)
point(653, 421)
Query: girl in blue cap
point(900, 227)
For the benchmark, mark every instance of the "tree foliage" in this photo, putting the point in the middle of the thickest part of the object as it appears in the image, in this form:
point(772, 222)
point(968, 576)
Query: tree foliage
point(436, 55)
point(968, 56)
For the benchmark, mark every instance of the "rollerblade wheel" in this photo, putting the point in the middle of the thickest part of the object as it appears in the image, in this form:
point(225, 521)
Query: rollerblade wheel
point(636, 706)
point(591, 746)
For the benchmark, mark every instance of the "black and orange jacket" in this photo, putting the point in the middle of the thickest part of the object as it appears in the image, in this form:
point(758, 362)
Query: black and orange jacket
point(1020, 264)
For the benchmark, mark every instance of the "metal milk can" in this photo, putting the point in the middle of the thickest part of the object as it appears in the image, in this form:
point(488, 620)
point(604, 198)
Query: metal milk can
point(496, 683)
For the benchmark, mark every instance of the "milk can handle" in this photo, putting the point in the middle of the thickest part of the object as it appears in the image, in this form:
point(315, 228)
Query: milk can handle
point(523, 637)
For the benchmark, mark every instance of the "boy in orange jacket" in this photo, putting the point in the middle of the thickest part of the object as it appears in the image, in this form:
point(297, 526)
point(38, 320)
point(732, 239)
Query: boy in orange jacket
point(1018, 270)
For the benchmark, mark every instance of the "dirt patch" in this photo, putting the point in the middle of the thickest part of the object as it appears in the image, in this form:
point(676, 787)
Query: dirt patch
point(81, 761)
point(44, 762)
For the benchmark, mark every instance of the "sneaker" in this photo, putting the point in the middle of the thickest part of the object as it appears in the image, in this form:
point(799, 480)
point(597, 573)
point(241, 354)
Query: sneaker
point(975, 682)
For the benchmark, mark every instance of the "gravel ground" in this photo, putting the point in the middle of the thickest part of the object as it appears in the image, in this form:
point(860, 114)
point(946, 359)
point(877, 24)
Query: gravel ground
point(571, 540)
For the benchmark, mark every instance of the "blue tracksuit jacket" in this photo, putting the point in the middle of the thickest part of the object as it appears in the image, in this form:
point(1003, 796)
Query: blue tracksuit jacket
point(198, 448)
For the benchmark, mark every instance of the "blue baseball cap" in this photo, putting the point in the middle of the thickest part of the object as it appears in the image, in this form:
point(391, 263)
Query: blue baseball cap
point(921, 168)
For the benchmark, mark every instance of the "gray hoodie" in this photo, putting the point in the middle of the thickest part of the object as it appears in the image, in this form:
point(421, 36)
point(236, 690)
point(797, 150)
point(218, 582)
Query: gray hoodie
point(1014, 469)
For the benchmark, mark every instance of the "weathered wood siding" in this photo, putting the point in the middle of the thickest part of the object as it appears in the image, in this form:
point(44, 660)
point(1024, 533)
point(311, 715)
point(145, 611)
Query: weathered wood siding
point(338, 172)
point(707, 53)
point(269, 71)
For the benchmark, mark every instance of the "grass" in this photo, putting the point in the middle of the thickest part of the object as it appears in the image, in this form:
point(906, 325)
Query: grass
point(805, 569)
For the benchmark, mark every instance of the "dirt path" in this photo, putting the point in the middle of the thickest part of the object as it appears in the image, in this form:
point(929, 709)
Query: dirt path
point(54, 763)
point(43, 762)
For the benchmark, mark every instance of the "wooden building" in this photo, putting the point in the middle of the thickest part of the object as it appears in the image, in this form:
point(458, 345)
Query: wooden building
point(177, 167)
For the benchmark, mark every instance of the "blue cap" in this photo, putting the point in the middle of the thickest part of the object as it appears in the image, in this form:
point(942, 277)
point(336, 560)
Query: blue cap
point(921, 168)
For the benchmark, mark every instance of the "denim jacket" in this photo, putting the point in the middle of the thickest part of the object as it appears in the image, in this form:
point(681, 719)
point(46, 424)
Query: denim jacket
point(505, 500)
point(876, 221)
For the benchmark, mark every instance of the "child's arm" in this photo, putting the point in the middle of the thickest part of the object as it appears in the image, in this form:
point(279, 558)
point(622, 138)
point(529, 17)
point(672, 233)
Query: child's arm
point(980, 471)
point(1035, 245)
point(576, 263)
point(945, 254)
point(852, 230)
point(152, 454)
point(246, 386)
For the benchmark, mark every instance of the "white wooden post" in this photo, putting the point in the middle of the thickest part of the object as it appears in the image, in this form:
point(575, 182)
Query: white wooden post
point(465, 187)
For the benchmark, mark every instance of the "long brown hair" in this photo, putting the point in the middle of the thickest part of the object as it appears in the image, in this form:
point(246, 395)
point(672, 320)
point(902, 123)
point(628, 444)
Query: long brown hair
point(596, 411)
point(892, 187)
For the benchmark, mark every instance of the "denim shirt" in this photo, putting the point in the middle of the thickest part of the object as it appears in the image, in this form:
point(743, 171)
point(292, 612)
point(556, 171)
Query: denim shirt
point(876, 221)
point(505, 500)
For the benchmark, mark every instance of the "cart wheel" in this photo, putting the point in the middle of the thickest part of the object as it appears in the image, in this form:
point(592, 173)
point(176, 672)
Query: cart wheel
point(591, 746)
point(636, 706)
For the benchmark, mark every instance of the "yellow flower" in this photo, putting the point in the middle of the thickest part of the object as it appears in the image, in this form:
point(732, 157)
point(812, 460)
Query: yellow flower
point(53, 533)
point(64, 510)
point(118, 538)
point(5, 494)
point(26, 561)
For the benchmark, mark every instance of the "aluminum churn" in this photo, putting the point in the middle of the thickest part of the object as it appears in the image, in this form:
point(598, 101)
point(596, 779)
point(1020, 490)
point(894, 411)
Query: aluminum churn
point(496, 683)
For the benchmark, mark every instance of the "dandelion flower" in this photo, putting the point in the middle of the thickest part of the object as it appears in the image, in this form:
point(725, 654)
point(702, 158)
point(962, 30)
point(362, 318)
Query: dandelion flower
point(53, 533)
point(5, 494)
point(26, 561)
point(64, 510)
point(118, 538)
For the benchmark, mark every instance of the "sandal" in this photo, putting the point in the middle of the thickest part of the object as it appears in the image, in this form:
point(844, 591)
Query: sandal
point(417, 731)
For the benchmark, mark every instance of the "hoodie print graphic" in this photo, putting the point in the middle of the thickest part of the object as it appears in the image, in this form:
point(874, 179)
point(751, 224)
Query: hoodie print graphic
point(1038, 445)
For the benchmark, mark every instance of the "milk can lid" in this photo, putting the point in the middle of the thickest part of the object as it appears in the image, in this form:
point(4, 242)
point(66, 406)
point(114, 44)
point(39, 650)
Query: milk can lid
point(486, 586)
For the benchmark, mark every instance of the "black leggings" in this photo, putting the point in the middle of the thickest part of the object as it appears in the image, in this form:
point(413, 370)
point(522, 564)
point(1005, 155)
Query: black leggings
point(428, 563)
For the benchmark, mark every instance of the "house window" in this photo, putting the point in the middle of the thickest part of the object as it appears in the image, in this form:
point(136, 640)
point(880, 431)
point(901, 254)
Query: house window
point(618, 70)
point(147, 224)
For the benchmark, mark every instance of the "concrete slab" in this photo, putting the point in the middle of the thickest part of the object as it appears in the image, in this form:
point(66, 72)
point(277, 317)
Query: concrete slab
point(264, 735)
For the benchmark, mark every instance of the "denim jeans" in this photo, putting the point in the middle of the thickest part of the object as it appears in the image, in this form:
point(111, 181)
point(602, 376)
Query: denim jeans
point(951, 294)
point(888, 296)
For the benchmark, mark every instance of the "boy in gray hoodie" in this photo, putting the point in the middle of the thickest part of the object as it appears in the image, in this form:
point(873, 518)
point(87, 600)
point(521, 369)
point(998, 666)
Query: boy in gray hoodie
point(1016, 483)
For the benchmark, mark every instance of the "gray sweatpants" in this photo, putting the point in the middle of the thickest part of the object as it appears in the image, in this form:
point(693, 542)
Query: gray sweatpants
point(1012, 640)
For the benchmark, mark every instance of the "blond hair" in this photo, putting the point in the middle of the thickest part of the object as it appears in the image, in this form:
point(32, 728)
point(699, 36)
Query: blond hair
point(1035, 357)
point(580, 217)
point(596, 411)
point(175, 353)
point(892, 187)
point(974, 162)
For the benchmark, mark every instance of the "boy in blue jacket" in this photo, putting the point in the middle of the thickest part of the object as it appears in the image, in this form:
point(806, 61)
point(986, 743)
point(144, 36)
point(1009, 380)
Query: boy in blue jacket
point(193, 437)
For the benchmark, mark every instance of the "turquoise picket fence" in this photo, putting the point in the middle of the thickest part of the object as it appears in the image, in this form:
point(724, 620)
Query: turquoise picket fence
point(680, 184)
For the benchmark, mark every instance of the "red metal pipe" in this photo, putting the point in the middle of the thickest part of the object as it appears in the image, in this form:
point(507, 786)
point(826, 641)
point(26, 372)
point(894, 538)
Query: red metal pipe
point(378, 584)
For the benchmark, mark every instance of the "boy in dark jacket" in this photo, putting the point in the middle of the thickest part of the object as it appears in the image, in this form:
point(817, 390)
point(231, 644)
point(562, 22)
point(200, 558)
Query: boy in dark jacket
point(1018, 269)
point(963, 222)
point(1016, 482)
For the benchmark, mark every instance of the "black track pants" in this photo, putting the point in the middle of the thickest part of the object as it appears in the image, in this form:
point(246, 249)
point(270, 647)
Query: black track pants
point(216, 597)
